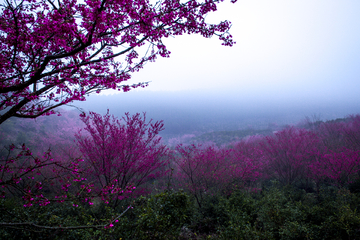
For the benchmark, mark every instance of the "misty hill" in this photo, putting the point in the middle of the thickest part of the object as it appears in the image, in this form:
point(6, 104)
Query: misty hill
point(202, 115)
point(225, 137)
point(60, 128)
point(205, 111)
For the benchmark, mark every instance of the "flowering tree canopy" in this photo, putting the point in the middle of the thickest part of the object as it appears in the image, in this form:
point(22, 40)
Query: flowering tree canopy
point(207, 170)
point(123, 152)
point(288, 154)
point(55, 52)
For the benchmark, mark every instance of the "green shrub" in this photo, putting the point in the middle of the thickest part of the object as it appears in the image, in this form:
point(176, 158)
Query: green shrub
point(290, 213)
point(161, 216)
point(276, 213)
point(54, 215)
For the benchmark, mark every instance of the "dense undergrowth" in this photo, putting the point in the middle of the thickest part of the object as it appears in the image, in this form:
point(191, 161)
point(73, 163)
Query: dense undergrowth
point(275, 212)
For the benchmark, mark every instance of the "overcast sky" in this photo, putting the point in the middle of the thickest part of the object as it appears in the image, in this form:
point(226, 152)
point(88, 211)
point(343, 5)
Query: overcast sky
point(297, 52)
point(282, 45)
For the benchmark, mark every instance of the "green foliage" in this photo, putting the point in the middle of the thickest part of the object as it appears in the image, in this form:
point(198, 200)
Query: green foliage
point(162, 216)
point(289, 213)
point(205, 220)
point(354, 187)
point(240, 209)
point(275, 213)
point(55, 215)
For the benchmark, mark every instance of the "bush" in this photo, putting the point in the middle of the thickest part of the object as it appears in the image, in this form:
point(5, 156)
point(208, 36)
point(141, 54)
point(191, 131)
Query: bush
point(160, 216)
point(289, 213)
point(43, 222)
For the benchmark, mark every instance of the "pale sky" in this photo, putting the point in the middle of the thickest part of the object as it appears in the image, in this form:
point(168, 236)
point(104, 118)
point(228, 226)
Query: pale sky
point(311, 46)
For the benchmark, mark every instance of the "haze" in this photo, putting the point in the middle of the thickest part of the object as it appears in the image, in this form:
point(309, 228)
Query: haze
point(292, 59)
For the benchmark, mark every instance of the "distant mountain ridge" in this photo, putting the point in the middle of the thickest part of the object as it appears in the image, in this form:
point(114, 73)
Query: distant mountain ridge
point(225, 137)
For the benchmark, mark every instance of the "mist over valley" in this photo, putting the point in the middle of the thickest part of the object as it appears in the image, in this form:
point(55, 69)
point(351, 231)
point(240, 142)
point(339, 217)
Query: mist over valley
point(199, 112)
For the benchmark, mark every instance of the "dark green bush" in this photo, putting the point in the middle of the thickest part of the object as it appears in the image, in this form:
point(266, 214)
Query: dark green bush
point(276, 213)
point(288, 213)
point(160, 216)
point(53, 215)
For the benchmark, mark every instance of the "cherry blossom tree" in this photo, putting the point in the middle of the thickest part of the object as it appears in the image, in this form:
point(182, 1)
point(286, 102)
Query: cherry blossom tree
point(200, 169)
point(341, 167)
point(207, 170)
point(54, 52)
point(288, 153)
point(30, 177)
point(351, 132)
point(332, 134)
point(42, 180)
point(121, 153)
point(248, 156)
point(339, 158)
